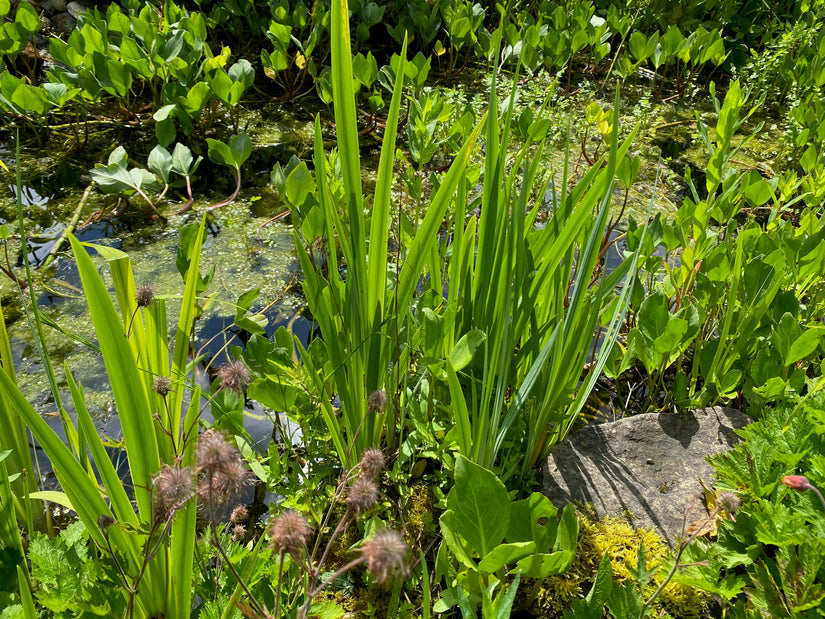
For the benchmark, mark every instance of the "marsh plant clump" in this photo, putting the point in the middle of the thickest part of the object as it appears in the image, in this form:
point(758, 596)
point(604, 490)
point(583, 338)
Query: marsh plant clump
point(564, 199)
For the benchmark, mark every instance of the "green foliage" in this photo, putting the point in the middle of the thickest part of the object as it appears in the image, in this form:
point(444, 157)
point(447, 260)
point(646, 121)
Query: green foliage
point(69, 580)
point(456, 310)
point(488, 537)
point(135, 351)
point(619, 566)
point(770, 558)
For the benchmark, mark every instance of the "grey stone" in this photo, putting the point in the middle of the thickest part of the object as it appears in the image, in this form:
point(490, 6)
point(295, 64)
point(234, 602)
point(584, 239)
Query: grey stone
point(52, 7)
point(647, 466)
point(63, 23)
point(75, 9)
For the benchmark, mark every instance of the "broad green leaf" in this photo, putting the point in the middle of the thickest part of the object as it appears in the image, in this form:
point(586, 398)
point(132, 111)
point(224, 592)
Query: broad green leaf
point(182, 160)
point(506, 554)
point(163, 112)
point(160, 162)
point(221, 84)
point(454, 539)
point(543, 565)
point(27, 17)
point(654, 316)
point(534, 518)
point(568, 532)
point(241, 147)
point(220, 153)
point(299, 184)
point(481, 506)
point(465, 349)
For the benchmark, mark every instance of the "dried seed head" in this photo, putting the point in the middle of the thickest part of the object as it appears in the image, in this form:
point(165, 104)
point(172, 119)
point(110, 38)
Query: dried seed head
point(377, 401)
point(214, 452)
point(289, 532)
point(234, 376)
point(222, 473)
point(362, 495)
point(386, 554)
point(104, 521)
point(162, 385)
point(729, 502)
point(238, 533)
point(223, 484)
point(372, 463)
point(239, 514)
point(144, 295)
point(797, 482)
point(173, 488)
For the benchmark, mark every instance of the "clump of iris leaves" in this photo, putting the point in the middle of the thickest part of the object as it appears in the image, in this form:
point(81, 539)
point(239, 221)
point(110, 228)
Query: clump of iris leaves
point(465, 312)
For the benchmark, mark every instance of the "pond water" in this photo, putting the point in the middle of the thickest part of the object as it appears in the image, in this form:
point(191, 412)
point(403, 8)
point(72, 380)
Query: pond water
point(248, 252)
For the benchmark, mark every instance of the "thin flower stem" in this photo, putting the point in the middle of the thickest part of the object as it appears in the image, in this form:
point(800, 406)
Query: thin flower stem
point(217, 543)
point(672, 572)
point(280, 580)
point(819, 494)
point(338, 530)
point(302, 613)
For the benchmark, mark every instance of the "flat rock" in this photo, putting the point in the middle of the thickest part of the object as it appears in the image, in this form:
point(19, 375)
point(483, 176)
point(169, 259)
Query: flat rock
point(646, 467)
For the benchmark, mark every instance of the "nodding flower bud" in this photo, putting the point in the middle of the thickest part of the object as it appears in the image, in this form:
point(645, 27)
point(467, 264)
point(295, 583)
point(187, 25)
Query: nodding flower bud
point(377, 401)
point(729, 502)
point(372, 463)
point(144, 295)
point(173, 488)
point(234, 376)
point(289, 532)
point(386, 554)
point(162, 385)
point(362, 495)
point(797, 482)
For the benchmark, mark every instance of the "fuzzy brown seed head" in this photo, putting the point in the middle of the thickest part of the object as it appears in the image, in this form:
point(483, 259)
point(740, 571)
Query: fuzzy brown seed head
point(239, 514)
point(234, 376)
point(104, 521)
point(214, 452)
point(173, 487)
point(220, 485)
point(729, 502)
point(362, 496)
point(372, 463)
point(144, 295)
point(162, 385)
point(386, 554)
point(222, 473)
point(289, 532)
point(377, 401)
point(238, 533)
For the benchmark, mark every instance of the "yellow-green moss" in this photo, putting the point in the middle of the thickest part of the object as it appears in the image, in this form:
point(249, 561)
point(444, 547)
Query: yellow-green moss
point(619, 540)
point(418, 513)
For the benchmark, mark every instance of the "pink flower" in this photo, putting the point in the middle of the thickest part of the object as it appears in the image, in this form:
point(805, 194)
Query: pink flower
point(797, 482)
